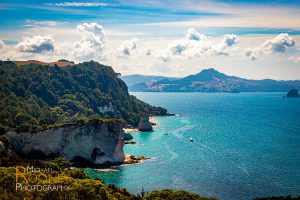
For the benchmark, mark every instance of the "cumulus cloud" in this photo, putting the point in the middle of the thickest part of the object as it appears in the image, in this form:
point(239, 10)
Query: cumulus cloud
point(193, 34)
point(278, 44)
point(128, 47)
point(79, 4)
point(227, 42)
point(195, 45)
point(92, 42)
point(2, 44)
point(184, 49)
point(189, 47)
point(36, 44)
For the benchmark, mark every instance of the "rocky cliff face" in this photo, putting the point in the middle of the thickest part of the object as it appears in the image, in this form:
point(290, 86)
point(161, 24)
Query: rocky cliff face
point(93, 144)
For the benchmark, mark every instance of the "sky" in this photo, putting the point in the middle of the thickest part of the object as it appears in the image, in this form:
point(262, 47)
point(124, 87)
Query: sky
point(250, 39)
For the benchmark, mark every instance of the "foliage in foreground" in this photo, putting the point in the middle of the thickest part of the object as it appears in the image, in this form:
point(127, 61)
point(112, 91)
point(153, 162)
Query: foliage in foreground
point(81, 187)
point(35, 96)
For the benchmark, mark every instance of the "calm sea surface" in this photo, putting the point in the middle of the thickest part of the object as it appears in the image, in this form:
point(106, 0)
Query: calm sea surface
point(245, 145)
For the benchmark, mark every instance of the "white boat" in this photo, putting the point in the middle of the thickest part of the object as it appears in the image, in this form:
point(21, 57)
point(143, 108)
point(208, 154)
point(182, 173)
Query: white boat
point(166, 133)
point(191, 139)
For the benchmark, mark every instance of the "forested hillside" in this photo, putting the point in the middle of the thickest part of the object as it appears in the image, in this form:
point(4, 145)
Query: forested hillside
point(35, 96)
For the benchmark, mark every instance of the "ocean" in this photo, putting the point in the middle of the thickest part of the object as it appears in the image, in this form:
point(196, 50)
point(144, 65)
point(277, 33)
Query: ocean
point(245, 145)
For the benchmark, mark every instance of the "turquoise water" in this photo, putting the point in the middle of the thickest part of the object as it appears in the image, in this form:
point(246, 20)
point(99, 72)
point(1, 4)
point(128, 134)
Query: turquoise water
point(245, 145)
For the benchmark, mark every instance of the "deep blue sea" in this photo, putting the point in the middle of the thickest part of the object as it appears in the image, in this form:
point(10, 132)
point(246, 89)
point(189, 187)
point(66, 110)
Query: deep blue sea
point(245, 145)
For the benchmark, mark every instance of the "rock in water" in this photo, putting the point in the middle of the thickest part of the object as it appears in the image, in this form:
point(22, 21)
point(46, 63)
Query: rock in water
point(82, 145)
point(126, 135)
point(145, 125)
point(293, 93)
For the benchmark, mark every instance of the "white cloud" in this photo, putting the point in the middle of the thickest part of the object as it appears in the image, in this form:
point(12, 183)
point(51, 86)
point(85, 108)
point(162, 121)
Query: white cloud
point(43, 23)
point(36, 44)
point(227, 42)
point(2, 44)
point(193, 34)
point(79, 4)
point(128, 47)
point(278, 44)
point(92, 42)
point(189, 47)
point(195, 45)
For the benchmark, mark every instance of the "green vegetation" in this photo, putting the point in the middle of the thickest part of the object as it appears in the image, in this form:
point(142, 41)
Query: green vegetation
point(65, 60)
point(35, 97)
point(79, 185)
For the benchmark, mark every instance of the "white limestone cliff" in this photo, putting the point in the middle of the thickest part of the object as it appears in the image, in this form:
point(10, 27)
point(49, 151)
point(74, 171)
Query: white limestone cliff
point(95, 144)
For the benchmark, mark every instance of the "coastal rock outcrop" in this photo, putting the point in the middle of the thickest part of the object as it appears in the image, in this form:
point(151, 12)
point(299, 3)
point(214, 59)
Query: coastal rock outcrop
point(293, 93)
point(145, 125)
point(126, 135)
point(131, 159)
point(92, 144)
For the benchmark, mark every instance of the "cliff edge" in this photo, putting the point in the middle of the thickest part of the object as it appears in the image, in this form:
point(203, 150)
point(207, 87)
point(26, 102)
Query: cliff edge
point(92, 144)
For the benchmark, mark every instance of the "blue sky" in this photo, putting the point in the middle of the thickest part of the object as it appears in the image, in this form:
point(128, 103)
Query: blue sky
point(172, 37)
point(15, 12)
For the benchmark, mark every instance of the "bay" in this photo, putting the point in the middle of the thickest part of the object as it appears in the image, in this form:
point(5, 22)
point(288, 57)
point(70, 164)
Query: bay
point(245, 145)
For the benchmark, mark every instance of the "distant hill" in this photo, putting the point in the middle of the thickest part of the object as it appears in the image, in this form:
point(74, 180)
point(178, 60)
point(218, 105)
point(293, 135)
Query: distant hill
point(134, 79)
point(210, 80)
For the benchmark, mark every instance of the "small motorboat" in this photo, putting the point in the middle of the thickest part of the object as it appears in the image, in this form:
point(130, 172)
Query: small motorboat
point(166, 133)
point(191, 139)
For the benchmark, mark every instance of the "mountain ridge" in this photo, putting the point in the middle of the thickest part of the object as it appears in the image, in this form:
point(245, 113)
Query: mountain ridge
point(211, 80)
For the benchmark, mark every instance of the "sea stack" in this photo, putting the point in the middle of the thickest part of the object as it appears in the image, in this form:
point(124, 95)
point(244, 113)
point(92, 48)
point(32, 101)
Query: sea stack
point(293, 93)
point(126, 136)
point(145, 125)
